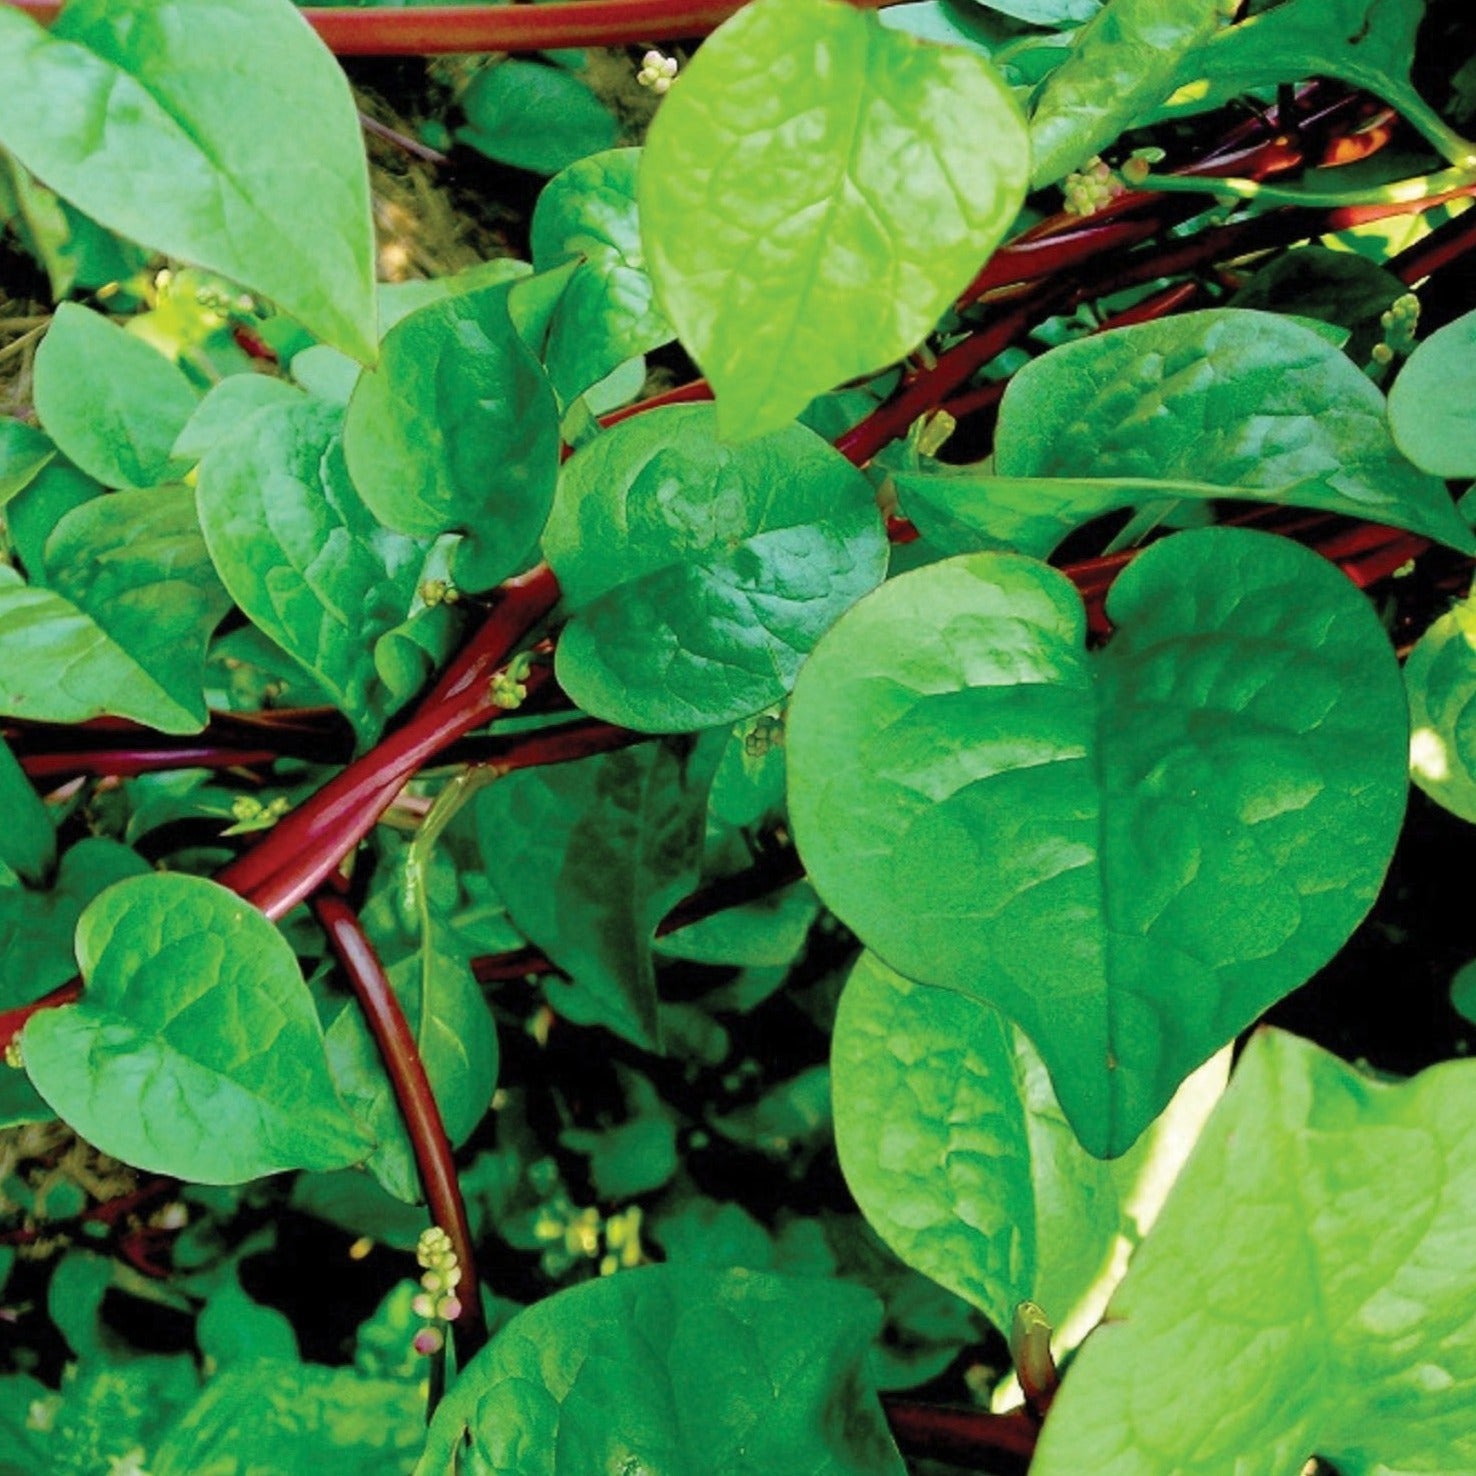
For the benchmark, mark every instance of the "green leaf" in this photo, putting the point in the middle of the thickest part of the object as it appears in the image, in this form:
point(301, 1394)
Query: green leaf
point(589, 857)
point(194, 1050)
point(228, 405)
point(39, 506)
point(1133, 854)
point(815, 193)
point(699, 575)
point(269, 1415)
point(1432, 406)
point(429, 970)
point(123, 631)
point(1122, 64)
point(458, 430)
point(1296, 1304)
point(534, 117)
point(608, 312)
point(956, 1150)
point(672, 1369)
point(302, 555)
point(234, 1329)
point(1440, 677)
point(110, 1416)
point(1046, 12)
point(24, 451)
point(111, 402)
point(636, 1156)
point(148, 130)
point(1224, 403)
point(27, 837)
point(1369, 44)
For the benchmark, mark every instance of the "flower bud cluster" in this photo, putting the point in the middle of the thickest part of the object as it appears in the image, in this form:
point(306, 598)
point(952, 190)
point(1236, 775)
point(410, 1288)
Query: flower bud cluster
point(1093, 187)
point(436, 1302)
point(1400, 324)
point(657, 72)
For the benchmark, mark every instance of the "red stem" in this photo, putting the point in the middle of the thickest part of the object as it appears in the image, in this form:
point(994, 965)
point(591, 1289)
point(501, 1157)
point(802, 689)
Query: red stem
point(437, 29)
point(966, 1437)
point(416, 1100)
point(124, 763)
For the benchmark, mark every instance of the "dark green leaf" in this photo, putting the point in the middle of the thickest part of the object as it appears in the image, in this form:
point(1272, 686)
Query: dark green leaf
point(589, 857)
point(608, 311)
point(194, 1050)
point(149, 130)
point(700, 574)
point(40, 505)
point(302, 555)
point(27, 836)
point(458, 430)
point(671, 1369)
point(1305, 1289)
point(1131, 855)
point(534, 117)
point(234, 1329)
point(1224, 403)
point(956, 1150)
point(1122, 64)
point(1432, 406)
point(815, 193)
point(1440, 676)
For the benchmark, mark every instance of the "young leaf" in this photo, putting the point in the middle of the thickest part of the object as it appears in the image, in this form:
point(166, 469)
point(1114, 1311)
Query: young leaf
point(1432, 405)
point(668, 1368)
point(1285, 1303)
point(302, 555)
point(1440, 676)
point(956, 1150)
point(1133, 854)
point(123, 631)
point(608, 312)
point(534, 117)
point(589, 857)
point(457, 430)
point(147, 129)
point(700, 574)
point(194, 1050)
point(1224, 403)
point(1123, 63)
point(110, 401)
point(269, 1414)
point(815, 192)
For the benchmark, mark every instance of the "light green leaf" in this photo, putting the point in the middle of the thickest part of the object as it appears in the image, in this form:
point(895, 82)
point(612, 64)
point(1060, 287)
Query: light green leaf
point(608, 311)
point(302, 555)
point(24, 451)
point(1131, 854)
point(194, 1050)
point(1440, 676)
point(39, 506)
point(458, 431)
point(534, 117)
point(147, 131)
point(956, 1150)
point(1045, 12)
point(1122, 64)
point(1297, 1304)
point(228, 405)
point(270, 1415)
point(1224, 403)
point(589, 857)
point(699, 575)
point(677, 1370)
point(1432, 406)
point(815, 192)
point(27, 836)
point(110, 401)
point(124, 629)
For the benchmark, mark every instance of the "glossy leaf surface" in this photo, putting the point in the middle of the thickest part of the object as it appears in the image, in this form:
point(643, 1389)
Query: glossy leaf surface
point(146, 132)
point(699, 574)
point(1440, 676)
point(194, 1049)
point(608, 311)
point(1432, 406)
point(815, 192)
point(457, 431)
point(672, 1370)
point(1131, 854)
point(113, 404)
point(1327, 1314)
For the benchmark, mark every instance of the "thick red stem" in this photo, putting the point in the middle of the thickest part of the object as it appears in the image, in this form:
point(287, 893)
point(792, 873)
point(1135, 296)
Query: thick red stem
point(966, 1437)
point(417, 1102)
point(124, 763)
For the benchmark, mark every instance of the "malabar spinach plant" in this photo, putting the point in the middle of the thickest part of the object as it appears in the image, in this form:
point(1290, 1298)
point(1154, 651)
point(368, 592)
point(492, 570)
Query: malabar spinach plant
point(664, 850)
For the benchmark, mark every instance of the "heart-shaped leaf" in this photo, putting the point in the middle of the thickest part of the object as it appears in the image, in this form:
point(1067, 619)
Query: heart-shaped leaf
point(168, 121)
point(1307, 1290)
point(700, 574)
point(195, 1049)
point(816, 191)
point(1130, 854)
